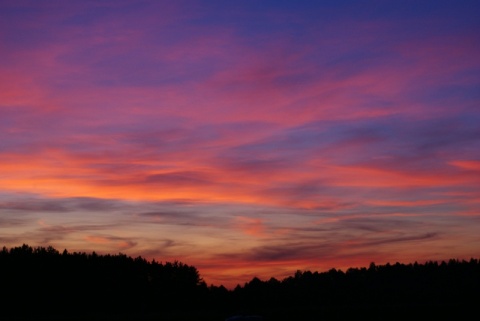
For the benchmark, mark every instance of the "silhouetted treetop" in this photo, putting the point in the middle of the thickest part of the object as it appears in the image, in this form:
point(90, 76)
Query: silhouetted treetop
point(127, 288)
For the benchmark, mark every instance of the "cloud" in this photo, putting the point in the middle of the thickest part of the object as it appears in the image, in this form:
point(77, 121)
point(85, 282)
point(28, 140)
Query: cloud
point(175, 179)
point(39, 204)
point(33, 205)
point(61, 230)
point(9, 222)
point(112, 242)
point(175, 215)
point(254, 227)
point(409, 238)
point(289, 252)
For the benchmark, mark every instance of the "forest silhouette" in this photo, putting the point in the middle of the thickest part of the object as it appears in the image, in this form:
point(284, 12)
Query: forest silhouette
point(41, 283)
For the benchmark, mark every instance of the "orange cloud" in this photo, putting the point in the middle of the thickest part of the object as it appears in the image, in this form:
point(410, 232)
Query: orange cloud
point(96, 239)
point(251, 226)
point(471, 165)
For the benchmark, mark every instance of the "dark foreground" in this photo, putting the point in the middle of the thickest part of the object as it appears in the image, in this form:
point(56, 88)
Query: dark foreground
point(43, 284)
point(373, 313)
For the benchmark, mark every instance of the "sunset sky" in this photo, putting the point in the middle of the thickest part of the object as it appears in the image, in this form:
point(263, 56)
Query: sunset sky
point(246, 138)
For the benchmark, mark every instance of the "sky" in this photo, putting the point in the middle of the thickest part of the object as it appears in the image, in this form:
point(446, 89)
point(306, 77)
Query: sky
point(246, 138)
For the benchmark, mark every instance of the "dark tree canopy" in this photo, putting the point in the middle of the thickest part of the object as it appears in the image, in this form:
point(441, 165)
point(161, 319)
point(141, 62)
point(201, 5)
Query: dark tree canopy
point(44, 284)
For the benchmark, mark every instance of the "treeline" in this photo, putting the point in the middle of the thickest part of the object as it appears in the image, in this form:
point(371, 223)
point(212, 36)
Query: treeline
point(379, 292)
point(44, 284)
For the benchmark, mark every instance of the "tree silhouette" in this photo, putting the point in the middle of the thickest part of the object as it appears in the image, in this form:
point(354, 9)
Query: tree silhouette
point(44, 284)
